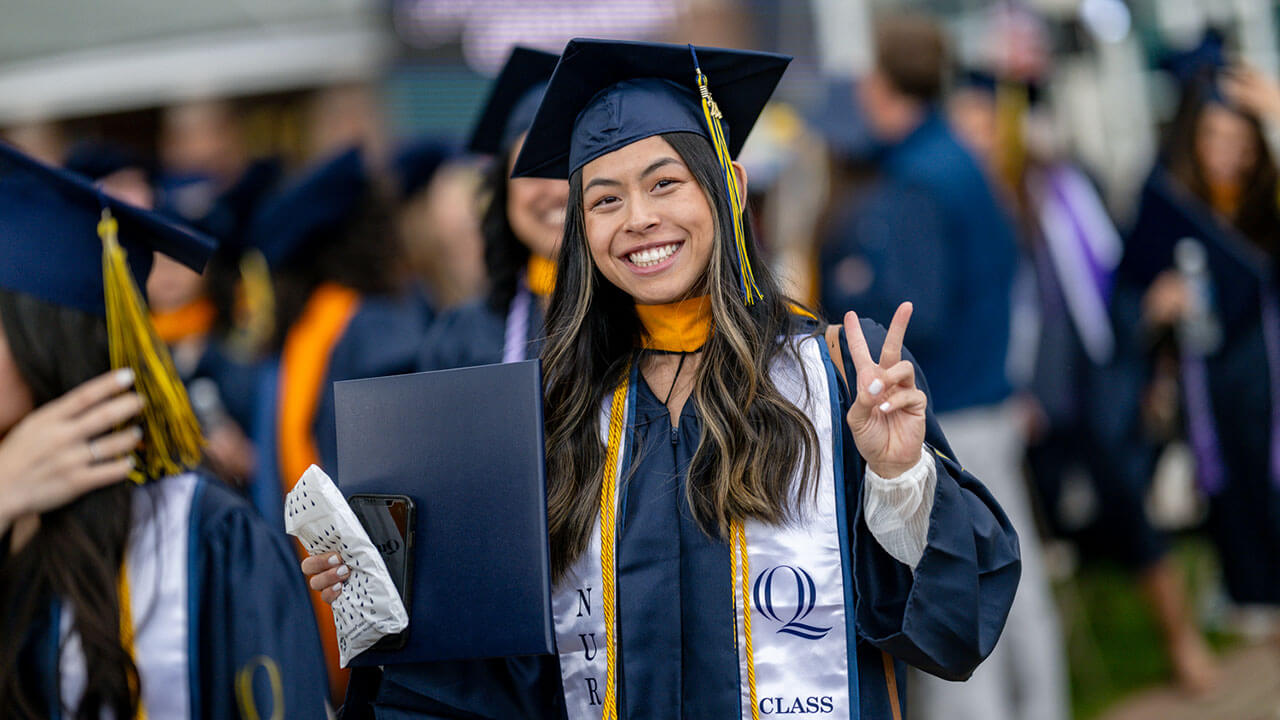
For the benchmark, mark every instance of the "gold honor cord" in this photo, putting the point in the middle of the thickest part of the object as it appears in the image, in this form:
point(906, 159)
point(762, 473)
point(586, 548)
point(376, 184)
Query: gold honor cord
point(127, 637)
point(742, 571)
point(711, 113)
point(608, 502)
point(608, 525)
point(171, 435)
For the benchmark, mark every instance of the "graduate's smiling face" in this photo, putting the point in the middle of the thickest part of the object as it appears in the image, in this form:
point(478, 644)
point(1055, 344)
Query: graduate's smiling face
point(649, 224)
point(535, 209)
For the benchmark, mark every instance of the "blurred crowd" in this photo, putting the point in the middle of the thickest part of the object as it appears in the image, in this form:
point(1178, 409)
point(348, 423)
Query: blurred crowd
point(1106, 360)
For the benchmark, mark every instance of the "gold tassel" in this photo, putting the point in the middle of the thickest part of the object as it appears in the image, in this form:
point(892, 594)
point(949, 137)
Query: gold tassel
point(256, 307)
point(171, 439)
point(711, 113)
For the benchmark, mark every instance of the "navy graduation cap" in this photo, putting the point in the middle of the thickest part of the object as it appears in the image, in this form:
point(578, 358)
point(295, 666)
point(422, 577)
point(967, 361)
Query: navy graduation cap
point(321, 198)
point(227, 214)
point(66, 242)
point(512, 102)
point(49, 242)
point(607, 94)
point(416, 162)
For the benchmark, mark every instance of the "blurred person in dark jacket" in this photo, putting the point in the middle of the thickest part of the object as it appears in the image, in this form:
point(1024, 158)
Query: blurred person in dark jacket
point(930, 229)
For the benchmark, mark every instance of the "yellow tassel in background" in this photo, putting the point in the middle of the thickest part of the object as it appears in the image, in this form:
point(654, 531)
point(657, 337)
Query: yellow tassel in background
point(255, 322)
point(171, 439)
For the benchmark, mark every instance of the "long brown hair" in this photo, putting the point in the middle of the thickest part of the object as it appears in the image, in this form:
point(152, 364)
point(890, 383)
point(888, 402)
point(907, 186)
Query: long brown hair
point(754, 440)
point(1257, 217)
point(76, 554)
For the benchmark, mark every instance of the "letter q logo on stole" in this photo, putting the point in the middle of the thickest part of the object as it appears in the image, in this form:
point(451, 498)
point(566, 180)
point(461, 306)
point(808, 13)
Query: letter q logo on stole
point(780, 588)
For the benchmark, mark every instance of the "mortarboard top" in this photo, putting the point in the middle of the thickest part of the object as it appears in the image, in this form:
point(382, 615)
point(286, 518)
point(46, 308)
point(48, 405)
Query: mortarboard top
point(228, 217)
point(49, 243)
point(606, 94)
point(515, 96)
point(322, 198)
point(416, 162)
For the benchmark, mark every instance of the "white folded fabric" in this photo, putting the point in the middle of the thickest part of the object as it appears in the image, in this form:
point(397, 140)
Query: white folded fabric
point(369, 607)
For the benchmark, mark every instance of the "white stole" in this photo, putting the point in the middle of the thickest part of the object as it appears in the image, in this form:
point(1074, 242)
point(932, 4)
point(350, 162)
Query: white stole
point(797, 584)
point(156, 556)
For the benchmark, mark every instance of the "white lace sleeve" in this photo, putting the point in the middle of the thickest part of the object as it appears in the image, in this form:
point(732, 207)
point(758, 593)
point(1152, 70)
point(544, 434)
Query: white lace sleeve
point(897, 509)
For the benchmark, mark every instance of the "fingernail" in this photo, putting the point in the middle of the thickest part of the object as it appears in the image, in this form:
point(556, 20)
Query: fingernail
point(135, 432)
point(337, 588)
point(133, 462)
point(343, 571)
point(884, 407)
point(875, 387)
point(124, 377)
point(334, 559)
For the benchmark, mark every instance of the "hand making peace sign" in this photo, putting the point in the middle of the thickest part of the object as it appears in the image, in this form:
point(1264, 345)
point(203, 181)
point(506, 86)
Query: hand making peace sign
point(888, 415)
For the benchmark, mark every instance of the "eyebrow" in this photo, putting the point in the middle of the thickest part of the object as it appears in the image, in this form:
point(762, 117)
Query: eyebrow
point(656, 164)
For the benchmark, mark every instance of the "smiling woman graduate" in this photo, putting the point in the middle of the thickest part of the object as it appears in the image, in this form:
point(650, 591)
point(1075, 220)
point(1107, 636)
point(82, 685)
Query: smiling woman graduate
point(733, 532)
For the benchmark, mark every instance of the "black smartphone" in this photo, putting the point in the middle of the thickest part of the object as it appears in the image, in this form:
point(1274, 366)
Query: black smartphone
point(389, 521)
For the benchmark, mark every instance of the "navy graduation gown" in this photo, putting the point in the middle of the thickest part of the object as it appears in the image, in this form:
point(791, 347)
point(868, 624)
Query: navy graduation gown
point(475, 334)
point(1244, 513)
point(252, 605)
point(1094, 421)
point(237, 381)
point(248, 614)
point(677, 652)
point(382, 339)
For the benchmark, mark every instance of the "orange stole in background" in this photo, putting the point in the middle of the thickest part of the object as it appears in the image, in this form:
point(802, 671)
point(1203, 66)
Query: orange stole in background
point(540, 274)
point(194, 318)
point(304, 363)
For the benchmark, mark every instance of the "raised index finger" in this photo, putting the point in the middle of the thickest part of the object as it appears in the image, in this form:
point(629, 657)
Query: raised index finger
point(891, 350)
point(91, 392)
point(858, 350)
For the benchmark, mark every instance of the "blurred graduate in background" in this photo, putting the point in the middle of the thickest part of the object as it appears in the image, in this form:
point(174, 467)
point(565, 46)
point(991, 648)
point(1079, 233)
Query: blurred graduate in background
point(342, 311)
point(1200, 263)
point(522, 223)
point(124, 597)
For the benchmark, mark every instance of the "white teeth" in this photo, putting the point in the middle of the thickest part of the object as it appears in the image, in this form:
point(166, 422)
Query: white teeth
point(652, 256)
